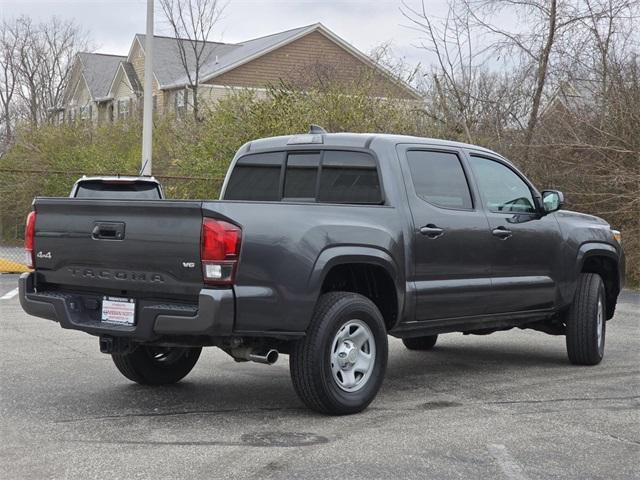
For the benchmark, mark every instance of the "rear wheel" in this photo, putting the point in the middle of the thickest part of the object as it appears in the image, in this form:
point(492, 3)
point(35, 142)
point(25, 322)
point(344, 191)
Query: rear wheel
point(149, 365)
point(420, 343)
point(338, 367)
point(586, 321)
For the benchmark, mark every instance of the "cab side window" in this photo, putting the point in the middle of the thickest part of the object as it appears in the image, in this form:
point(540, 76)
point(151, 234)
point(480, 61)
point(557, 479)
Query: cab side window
point(256, 177)
point(502, 190)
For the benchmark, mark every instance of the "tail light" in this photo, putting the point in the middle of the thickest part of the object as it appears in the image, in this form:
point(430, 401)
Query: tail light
point(219, 251)
point(29, 233)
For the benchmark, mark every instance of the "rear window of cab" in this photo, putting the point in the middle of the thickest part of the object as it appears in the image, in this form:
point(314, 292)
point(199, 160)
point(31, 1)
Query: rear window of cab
point(325, 176)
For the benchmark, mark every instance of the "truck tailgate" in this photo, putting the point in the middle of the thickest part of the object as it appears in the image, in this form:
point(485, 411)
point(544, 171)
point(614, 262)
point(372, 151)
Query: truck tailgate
point(148, 248)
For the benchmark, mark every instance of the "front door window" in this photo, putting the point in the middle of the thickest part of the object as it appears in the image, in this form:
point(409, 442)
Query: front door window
point(501, 188)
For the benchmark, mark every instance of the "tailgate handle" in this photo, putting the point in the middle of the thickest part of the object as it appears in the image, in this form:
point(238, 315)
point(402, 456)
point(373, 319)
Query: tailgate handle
point(108, 231)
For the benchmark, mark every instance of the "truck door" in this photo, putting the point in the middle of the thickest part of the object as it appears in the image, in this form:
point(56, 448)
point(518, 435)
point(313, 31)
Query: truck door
point(526, 246)
point(451, 244)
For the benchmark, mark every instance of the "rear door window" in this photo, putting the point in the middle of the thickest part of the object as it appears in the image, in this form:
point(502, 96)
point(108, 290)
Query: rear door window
point(256, 177)
point(438, 178)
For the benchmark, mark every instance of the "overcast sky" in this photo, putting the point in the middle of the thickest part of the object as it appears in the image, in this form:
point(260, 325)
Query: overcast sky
point(363, 23)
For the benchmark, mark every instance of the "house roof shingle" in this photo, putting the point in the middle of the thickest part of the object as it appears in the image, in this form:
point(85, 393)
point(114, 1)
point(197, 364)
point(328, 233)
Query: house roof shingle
point(167, 64)
point(132, 76)
point(98, 71)
point(220, 57)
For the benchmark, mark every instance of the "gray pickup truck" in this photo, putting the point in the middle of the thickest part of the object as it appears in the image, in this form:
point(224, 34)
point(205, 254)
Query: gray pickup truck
point(320, 246)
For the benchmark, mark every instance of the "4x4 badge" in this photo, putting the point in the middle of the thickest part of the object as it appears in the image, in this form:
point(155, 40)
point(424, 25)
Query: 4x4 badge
point(44, 255)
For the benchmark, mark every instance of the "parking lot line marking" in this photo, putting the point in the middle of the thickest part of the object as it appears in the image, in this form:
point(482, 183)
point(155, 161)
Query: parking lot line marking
point(10, 294)
point(506, 462)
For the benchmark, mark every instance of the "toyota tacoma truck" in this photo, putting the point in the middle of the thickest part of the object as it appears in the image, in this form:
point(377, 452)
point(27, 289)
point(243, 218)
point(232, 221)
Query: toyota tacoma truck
point(320, 246)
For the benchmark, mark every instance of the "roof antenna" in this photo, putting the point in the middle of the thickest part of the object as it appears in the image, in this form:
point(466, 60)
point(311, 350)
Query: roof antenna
point(316, 129)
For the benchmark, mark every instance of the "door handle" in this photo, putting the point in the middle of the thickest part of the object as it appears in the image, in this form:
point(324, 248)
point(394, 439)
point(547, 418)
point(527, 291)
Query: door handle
point(502, 232)
point(432, 231)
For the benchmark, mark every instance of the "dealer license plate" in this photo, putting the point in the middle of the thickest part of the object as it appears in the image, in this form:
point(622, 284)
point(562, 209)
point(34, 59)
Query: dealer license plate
point(121, 311)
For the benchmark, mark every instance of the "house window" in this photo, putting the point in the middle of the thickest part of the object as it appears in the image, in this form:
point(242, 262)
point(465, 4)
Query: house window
point(181, 101)
point(85, 112)
point(123, 108)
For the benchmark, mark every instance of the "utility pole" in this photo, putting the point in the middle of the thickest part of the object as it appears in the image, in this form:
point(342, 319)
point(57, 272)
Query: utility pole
point(147, 114)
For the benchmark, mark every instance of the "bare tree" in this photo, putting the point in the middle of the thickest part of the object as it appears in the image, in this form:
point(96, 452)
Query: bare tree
point(607, 45)
point(39, 55)
point(544, 27)
point(61, 40)
point(463, 95)
point(192, 22)
point(29, 55)
point(451, 43)
point(8, 78)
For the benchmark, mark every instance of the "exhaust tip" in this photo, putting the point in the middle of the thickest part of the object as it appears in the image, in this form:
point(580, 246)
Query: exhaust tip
point(268, 357)
point(272, 356)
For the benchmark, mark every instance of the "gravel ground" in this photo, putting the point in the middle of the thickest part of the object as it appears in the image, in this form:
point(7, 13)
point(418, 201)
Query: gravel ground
point(503, 406)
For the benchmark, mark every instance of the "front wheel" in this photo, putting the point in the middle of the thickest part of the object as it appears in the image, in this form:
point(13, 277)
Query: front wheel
point(148, 365)
point(586, 321)
point(338, 367)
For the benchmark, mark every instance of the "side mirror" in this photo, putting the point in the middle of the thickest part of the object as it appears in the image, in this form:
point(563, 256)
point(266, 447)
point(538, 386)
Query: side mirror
point(552, 200)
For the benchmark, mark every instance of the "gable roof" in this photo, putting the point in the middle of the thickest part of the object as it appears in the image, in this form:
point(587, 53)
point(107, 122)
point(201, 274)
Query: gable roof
point(167, 65)
point(222, 57)
point(98, 70)
point(127, 72)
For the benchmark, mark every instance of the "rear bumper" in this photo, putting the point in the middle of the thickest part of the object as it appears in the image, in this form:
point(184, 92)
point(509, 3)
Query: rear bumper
point(213, 316)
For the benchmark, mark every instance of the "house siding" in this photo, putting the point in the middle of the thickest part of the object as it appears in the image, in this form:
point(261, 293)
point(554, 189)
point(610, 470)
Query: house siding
point(75, 77)
point(123, 89)
point(81, 97)
point(297, 62)
point(211, 94)
point(137, 60)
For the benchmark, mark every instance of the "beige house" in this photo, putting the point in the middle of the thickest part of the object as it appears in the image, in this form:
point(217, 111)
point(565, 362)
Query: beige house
point(109, 87)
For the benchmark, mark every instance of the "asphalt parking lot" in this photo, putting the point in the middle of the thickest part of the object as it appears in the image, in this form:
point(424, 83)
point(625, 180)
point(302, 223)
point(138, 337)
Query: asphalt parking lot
point(503, 406)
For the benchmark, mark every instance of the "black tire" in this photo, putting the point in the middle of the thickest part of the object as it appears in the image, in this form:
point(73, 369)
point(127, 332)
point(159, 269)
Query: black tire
point(584, 345)
point(157, 365)
point(311, 358)
point(420, 343)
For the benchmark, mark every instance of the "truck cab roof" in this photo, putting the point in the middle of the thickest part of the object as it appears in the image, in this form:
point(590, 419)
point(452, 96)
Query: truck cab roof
point(351, 140)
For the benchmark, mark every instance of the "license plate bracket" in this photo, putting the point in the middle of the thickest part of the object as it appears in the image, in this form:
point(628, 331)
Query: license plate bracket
point(118, 311)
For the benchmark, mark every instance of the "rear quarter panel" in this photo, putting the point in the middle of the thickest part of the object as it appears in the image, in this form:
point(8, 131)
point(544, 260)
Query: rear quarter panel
point(276, 283)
